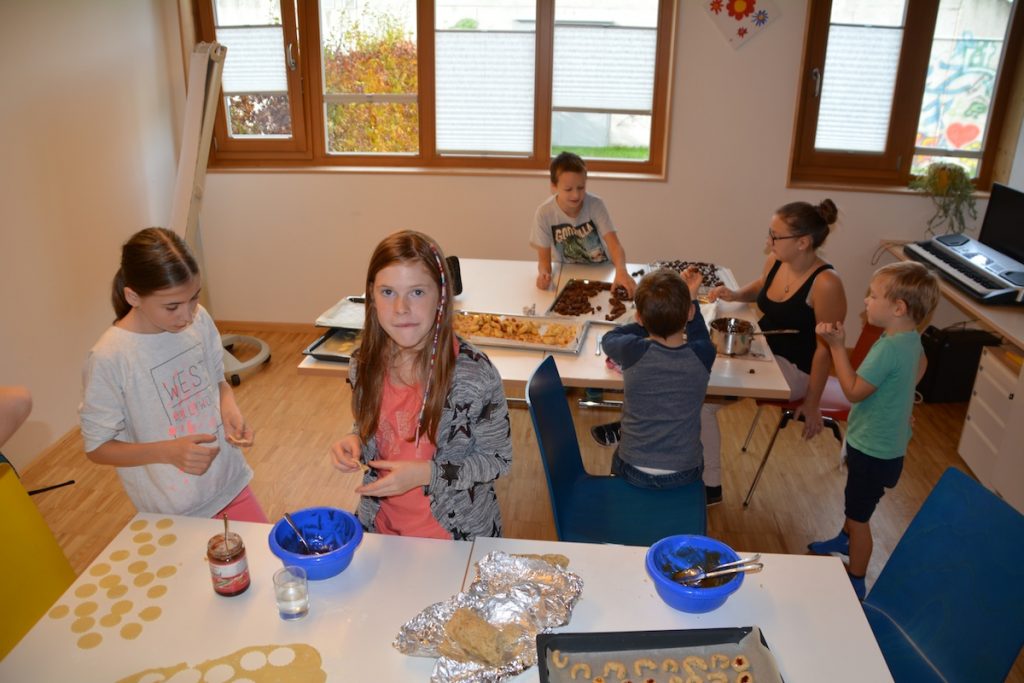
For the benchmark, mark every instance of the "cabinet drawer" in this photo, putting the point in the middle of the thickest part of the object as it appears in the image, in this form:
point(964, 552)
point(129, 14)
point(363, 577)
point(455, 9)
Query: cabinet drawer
point(978, 452)
point(997, 371)
point(993, 391)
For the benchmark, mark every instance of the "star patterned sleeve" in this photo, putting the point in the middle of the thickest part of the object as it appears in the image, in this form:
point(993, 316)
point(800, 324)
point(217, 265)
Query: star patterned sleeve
point(475, 445)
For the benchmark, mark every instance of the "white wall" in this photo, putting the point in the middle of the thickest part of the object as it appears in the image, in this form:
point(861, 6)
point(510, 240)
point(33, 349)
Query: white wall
point(285, 246)
point(88, 158)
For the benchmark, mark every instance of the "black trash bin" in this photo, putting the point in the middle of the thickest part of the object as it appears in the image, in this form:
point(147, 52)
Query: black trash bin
point(953, 356)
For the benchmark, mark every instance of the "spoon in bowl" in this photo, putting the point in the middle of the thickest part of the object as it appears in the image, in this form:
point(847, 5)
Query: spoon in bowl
point(690, 573)
point(295, 528)
point(695, 580)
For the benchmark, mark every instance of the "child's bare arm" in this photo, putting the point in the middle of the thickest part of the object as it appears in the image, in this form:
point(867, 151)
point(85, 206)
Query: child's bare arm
point(187, 453)
point(855, 387)
point(543, 267)
point(617, 254)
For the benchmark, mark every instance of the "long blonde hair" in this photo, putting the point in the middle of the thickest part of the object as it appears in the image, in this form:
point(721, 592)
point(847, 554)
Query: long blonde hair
point(436, 360)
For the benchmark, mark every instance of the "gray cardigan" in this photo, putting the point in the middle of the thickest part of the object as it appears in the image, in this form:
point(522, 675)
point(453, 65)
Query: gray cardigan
point(474, 447)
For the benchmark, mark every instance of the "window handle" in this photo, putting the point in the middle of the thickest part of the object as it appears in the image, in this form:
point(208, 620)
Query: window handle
point(816, 76)
point(291, 57)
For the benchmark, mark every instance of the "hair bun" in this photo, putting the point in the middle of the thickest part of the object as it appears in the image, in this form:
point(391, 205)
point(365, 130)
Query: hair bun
point(828, 211)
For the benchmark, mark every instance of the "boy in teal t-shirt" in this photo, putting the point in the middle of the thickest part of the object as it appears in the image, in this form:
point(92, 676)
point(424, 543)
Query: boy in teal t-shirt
point(900, 298)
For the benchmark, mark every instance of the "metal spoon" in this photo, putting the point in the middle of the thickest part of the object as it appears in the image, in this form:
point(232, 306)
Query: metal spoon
point(295, 528)
point(685, 575)
point(597, 350)
point(755, 567)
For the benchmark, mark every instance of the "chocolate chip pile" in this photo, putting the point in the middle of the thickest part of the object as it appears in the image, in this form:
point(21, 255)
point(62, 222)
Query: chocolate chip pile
point(709, 271)
point(576, 295)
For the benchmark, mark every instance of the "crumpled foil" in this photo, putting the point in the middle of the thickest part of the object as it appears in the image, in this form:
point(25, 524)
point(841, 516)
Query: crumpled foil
point(536, 595)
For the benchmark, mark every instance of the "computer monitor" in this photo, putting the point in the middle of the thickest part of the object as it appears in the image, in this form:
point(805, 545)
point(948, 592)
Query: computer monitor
point(1003, 226)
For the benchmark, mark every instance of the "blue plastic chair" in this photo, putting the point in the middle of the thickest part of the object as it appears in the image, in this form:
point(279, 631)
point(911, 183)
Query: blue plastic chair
point(601, 509)
point(949, 603)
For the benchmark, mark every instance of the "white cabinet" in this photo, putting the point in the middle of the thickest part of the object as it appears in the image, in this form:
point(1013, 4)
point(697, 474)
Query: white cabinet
point(992, 441)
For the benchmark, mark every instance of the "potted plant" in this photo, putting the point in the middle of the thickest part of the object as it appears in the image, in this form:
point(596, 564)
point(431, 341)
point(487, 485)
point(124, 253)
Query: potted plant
point(952, 192)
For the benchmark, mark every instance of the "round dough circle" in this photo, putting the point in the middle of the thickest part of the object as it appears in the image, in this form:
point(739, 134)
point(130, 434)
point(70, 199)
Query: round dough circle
point(219, 673)
point(82, 624)
point(99, 569)
point(90, 640)
point(157, 591)
point(117, 591)
point(167, 539)
point(110, 620)
point(86, 608)
point(147, 549)
point(121, 607)
point(143, 579)
point(144, 537)
point(85, 590)
point(281, 656)
point(131, 631)
point(119, 555)
point(150, 613)
point(138, 525)
point(138, 566)
point(110, 581)
point(164, 523)
point(60, 611)
point(253, 660)
point(166, 571)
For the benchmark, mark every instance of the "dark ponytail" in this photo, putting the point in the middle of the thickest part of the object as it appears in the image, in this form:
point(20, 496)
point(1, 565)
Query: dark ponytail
point(807, 219)
point(151, 260)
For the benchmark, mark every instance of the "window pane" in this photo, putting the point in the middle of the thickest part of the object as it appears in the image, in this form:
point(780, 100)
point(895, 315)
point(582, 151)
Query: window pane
point(484, 68)
point(247, 12)
point(254, 81)
point(372, 128)
point(857, 88)
point(962, 73)
point(603, 80)
point(369, 76)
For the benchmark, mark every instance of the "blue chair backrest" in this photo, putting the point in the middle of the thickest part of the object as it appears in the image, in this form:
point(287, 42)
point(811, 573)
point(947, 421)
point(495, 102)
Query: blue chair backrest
point(955, 586)
point(556, 434)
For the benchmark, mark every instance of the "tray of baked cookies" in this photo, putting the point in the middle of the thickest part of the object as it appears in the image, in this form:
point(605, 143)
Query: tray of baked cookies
point(521, 332)
point(726, 655)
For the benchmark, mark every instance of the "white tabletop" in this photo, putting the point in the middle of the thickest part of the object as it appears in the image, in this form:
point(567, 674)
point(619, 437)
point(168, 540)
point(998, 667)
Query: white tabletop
point(804, 605)
point(503, 286)
point(352, 621)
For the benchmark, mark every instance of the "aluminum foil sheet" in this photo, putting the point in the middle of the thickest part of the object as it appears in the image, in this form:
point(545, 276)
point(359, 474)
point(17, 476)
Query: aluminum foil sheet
point(508, 589)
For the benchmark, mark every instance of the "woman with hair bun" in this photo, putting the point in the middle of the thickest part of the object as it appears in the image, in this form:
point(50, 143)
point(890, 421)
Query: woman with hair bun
point(797, 290)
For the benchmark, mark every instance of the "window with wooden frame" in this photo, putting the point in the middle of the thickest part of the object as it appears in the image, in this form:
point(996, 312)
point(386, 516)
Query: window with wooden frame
point(890, 86)
point(449, 84)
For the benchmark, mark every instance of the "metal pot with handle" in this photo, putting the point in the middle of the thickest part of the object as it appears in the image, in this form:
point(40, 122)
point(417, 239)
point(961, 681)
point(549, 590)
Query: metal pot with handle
point(732, 336)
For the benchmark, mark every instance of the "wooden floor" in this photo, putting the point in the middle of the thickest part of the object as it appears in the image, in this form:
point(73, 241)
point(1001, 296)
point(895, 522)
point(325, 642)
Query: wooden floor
point(798, 500)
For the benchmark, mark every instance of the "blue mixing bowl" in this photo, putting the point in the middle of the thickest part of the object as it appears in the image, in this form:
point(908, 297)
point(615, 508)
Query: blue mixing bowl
point(334, 533)
point(673, 553)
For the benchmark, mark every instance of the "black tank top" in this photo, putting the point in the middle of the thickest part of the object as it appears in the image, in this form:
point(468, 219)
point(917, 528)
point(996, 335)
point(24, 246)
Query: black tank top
point(793, 313)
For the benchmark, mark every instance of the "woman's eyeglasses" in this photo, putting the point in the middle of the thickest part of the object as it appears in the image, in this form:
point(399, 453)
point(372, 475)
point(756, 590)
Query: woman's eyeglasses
point(775, 238)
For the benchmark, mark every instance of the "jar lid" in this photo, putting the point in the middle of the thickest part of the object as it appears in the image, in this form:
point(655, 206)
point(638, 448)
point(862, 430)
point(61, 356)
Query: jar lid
point(225, 546)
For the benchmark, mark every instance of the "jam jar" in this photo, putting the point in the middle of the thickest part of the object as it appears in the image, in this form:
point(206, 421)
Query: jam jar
point(229, 569)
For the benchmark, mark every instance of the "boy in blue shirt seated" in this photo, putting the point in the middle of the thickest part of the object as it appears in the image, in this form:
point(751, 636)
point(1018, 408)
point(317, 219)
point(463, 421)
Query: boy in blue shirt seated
point(900, 298)
point(666, 359)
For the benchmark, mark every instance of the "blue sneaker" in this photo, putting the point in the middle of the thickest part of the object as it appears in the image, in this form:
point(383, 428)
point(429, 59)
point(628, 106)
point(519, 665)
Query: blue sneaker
point(858, 586)
point(840, 545)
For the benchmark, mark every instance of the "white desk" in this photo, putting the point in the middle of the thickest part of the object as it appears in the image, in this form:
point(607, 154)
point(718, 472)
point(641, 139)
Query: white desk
point(804, 605)
point(501, 286)
point(352, 620)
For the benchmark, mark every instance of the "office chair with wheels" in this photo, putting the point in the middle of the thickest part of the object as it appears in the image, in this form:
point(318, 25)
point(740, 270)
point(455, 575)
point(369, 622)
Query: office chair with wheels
point(834, 406)
point(601, 509)
point(949, 603)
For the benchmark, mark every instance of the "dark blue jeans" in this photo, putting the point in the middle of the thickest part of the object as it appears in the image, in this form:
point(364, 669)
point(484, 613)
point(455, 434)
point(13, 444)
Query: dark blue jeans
point(644, 480)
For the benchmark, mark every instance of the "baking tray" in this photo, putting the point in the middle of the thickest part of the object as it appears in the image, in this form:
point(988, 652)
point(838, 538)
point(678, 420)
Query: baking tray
point(349, 313)
point(337, 344)
point(575, 329)
point(630, 648)
point(599, 316)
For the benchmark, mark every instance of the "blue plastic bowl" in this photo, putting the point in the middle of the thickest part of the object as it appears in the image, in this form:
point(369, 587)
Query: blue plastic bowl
point(323, 527)
point(679, 552)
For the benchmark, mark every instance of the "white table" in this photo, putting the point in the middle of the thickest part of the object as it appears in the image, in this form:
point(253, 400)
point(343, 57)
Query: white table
point(804, 605)
point(503, 286)
point(352, 620)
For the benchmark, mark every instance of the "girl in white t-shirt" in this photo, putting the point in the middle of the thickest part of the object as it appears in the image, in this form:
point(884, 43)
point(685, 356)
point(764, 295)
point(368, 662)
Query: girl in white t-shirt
point(155, 403)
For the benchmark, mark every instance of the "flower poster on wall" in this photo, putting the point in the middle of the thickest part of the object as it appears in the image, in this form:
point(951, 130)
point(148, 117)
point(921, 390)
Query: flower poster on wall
point(741, 20)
